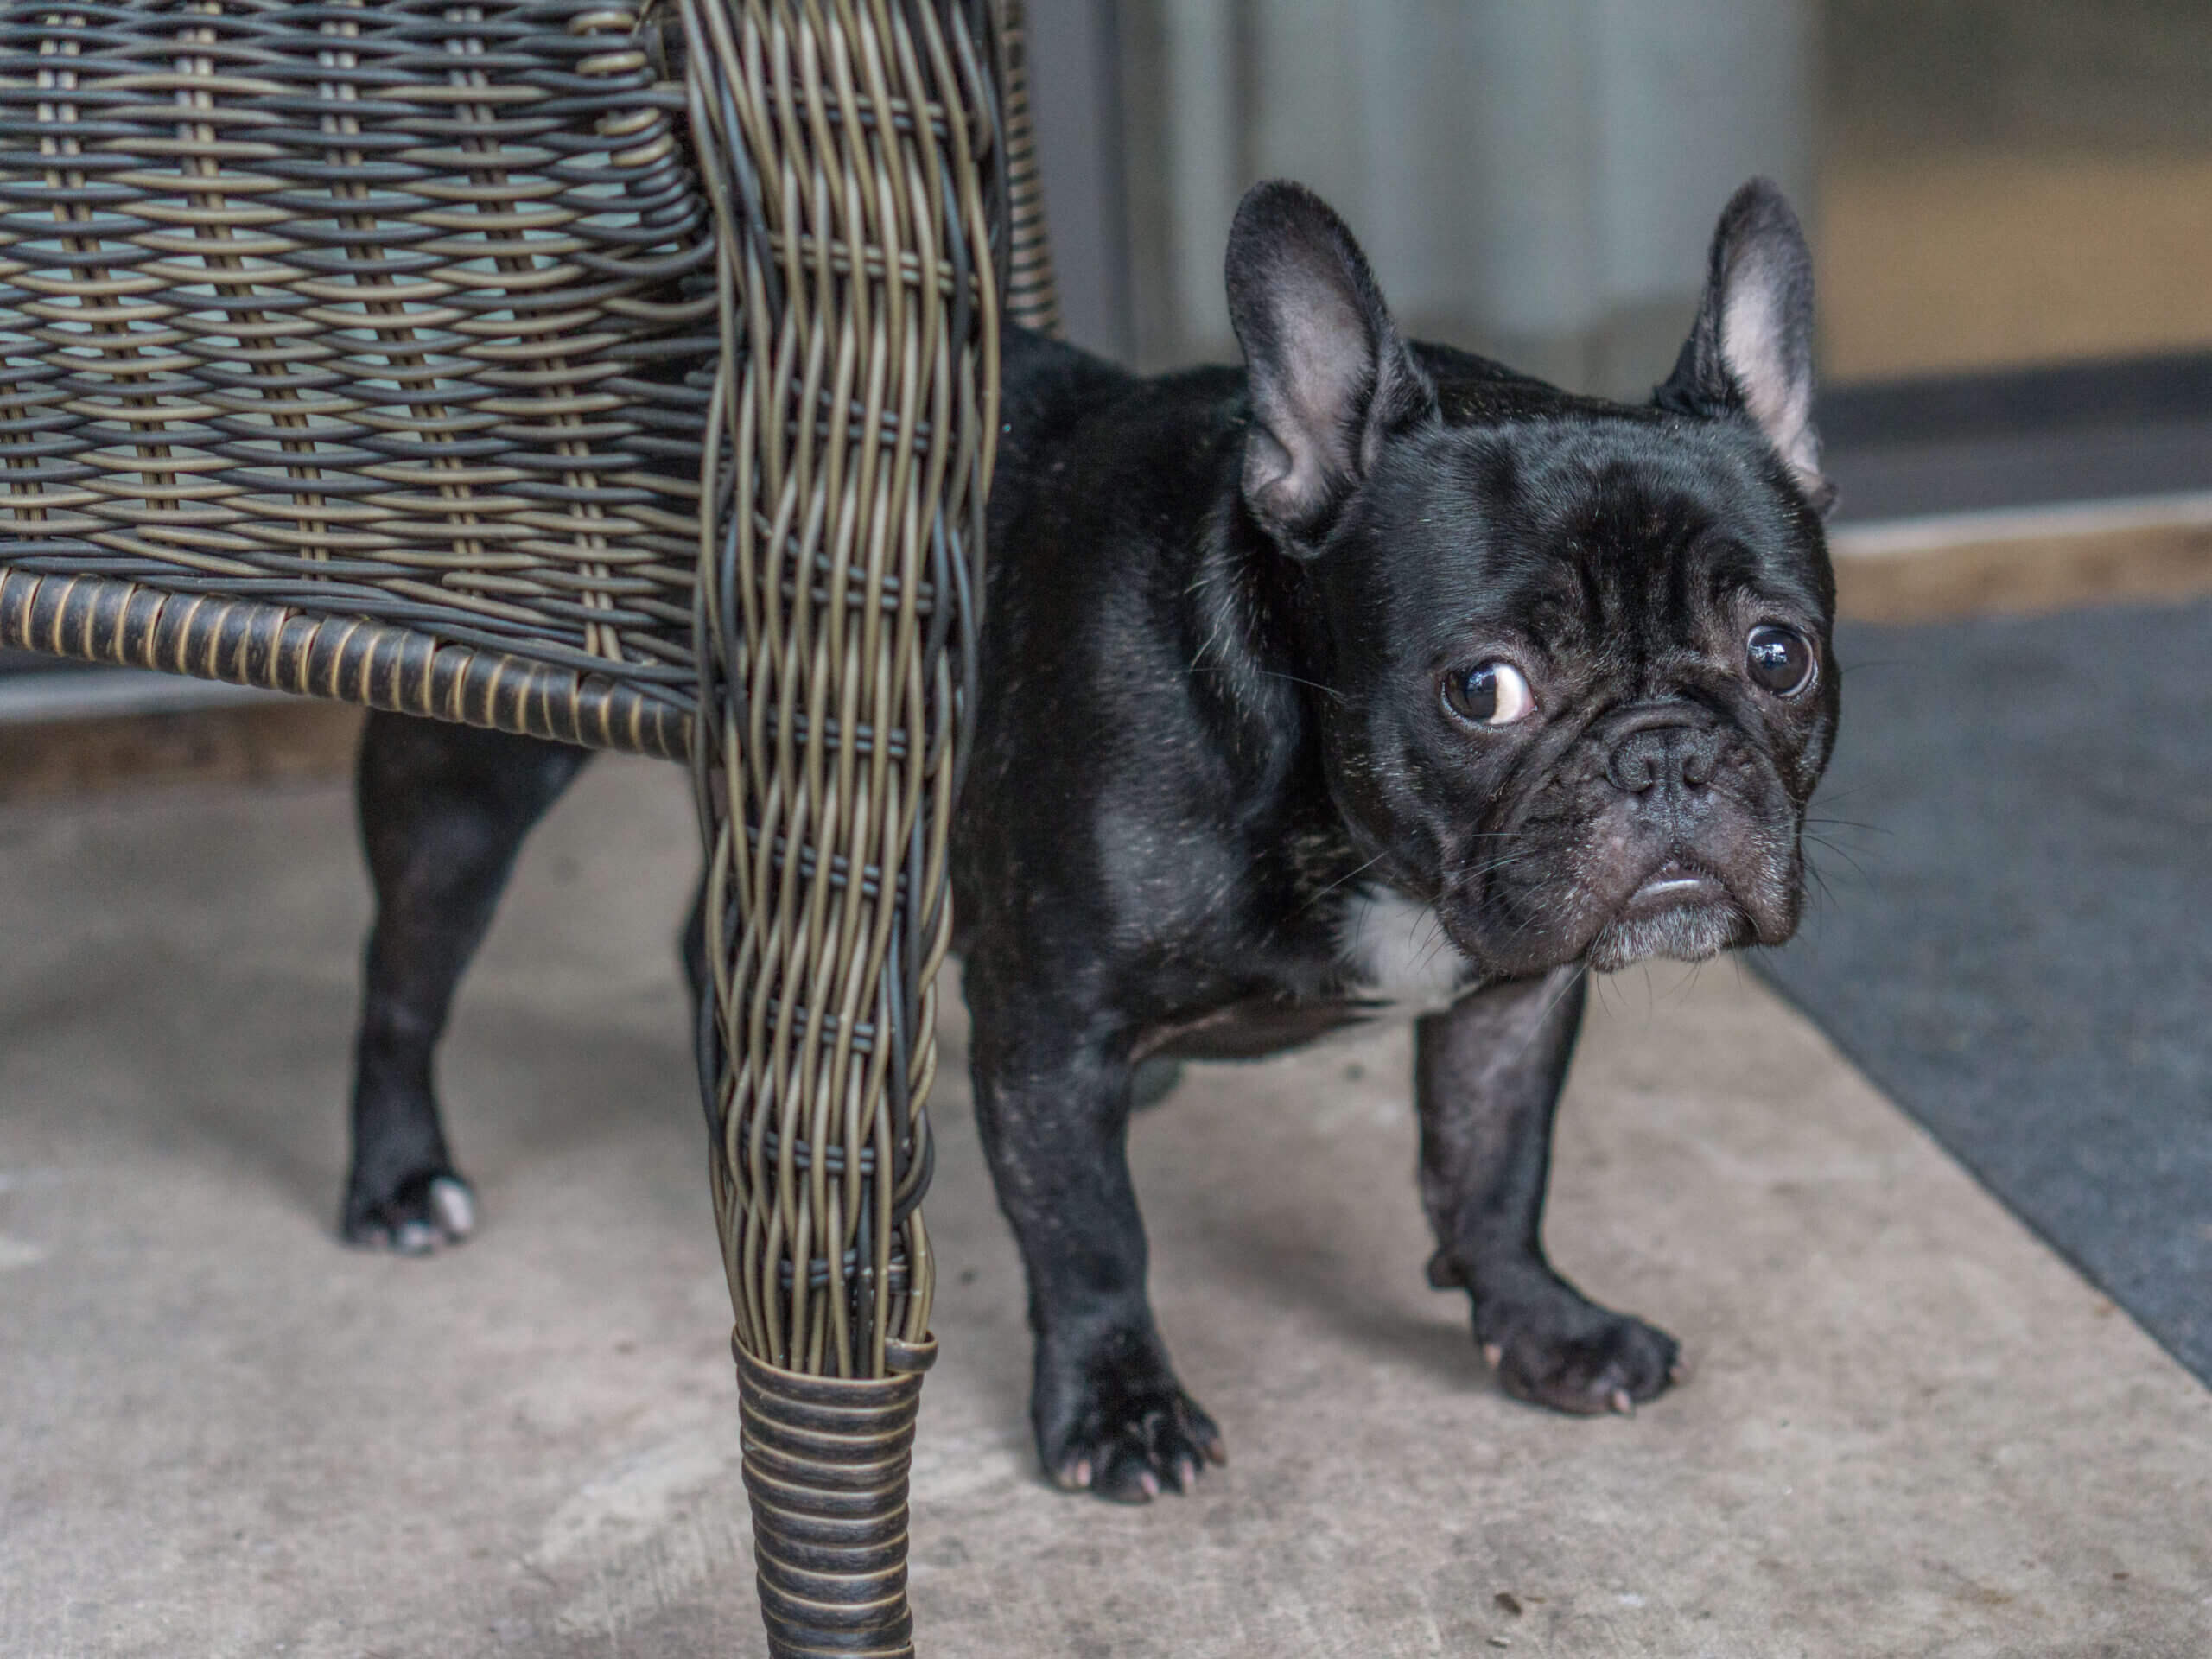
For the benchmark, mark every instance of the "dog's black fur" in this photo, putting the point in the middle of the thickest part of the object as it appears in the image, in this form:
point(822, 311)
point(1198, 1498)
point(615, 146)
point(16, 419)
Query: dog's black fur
point(1252, 644)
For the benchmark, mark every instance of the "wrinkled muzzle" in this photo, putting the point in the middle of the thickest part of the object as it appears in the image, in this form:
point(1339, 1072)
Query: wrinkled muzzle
point(1664, 832)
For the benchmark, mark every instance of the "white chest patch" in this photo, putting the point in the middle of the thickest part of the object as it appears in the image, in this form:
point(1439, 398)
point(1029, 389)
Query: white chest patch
point(1396, 953)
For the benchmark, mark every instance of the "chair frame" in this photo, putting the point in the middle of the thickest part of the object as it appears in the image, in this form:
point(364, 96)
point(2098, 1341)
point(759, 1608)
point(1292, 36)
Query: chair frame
point(615, 372)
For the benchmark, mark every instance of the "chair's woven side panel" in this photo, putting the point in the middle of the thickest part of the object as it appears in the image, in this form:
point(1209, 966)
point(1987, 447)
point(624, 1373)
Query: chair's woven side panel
point(853, 153)
point(378, 308)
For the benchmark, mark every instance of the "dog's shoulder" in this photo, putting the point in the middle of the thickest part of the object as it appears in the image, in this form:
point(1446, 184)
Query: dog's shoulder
point(1060, 404)
point(1107, 487)
point(1047, 385)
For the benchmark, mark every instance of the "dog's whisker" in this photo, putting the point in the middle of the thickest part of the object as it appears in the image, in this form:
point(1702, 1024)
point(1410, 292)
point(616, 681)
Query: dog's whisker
point(1348, 876)
point(1270, 673)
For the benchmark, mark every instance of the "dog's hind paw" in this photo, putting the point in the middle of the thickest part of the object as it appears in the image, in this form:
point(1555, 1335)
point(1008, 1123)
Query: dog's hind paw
point(423, 1213)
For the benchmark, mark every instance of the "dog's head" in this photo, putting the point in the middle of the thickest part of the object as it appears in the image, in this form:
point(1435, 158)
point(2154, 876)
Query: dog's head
point(1577, 655)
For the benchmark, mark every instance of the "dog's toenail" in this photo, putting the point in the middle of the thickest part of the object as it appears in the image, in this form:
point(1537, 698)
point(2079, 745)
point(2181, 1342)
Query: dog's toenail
point(1493, 1355)
point(1622, 1404)
point(456, 1210)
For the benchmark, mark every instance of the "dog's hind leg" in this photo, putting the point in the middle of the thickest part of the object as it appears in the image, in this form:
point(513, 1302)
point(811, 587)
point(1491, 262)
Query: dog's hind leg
point(443, 811)
point(1488, 1073)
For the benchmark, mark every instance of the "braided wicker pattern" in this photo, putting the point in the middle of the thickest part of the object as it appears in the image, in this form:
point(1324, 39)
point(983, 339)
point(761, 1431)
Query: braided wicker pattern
point(850, 147)
point(379, 309)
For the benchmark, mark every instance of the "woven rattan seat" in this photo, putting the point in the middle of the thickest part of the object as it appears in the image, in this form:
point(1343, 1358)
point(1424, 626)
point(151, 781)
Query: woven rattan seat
point(620, 375)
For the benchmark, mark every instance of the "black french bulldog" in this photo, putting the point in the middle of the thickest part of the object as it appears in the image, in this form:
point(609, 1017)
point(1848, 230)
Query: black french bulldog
point(1371, 677)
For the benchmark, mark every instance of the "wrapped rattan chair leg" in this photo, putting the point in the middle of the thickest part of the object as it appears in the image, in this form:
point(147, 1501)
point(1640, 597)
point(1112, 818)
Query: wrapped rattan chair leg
point(825, 1467)
point(856, 165)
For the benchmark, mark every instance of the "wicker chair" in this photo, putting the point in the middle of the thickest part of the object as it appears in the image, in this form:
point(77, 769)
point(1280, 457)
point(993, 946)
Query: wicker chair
point(609, 371)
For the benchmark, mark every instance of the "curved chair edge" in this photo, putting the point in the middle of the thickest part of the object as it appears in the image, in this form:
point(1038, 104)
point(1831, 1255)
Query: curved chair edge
point(346, 660)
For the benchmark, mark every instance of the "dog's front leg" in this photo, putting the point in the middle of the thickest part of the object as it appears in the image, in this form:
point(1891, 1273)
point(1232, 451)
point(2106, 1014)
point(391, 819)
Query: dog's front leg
point(1488, 1073)
point(1053, 1107)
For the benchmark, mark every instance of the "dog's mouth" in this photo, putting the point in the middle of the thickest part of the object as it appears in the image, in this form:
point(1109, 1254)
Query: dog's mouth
point(1680, 910)
point(1674, 885)
point(1610, 894)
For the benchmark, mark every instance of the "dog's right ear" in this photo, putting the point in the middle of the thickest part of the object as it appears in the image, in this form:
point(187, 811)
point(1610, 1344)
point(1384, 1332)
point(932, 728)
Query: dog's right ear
point(1330, 378)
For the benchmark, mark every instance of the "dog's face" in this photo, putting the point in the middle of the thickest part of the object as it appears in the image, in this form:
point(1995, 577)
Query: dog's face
point(1579, 656)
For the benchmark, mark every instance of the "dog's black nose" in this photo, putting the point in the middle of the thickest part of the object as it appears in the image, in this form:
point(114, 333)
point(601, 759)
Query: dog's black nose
point(1681, 757)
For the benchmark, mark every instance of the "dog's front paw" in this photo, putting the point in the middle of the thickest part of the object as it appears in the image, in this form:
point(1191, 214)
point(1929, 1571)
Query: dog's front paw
point(419, 1213)
point(1562, 1351)
point(1112, 1419)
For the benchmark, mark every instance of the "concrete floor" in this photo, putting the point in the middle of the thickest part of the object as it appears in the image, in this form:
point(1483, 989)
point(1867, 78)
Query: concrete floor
point(1911, 1431)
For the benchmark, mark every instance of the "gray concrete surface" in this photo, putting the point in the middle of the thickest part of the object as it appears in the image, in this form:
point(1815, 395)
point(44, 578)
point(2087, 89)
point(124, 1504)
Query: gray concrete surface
point(1912, 1431)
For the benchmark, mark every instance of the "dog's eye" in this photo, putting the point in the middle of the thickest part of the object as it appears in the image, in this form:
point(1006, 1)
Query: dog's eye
point(1781, 659)
point(1488, 693)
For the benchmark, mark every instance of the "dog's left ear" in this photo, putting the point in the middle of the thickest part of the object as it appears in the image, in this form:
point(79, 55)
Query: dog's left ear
point(1330, 378)
point(1750, 350)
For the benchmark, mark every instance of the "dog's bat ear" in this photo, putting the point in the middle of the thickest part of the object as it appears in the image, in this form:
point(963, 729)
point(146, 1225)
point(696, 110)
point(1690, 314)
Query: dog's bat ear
point(1330, 378)
point(1750, 350)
